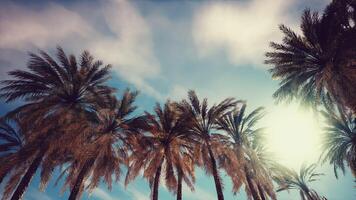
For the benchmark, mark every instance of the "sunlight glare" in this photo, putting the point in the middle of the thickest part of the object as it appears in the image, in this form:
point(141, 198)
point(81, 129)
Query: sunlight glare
point(293, 135)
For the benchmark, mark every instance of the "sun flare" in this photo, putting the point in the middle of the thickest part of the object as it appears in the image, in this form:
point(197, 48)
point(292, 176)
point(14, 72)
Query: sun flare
point(293, 135)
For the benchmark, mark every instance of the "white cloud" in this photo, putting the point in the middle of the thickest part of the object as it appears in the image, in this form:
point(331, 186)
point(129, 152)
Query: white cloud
point(102, 194)
point(177, 92)
point(137, 195)
point(34, 194)
point(127, 44)
point(133, 192)
point(241, 29)
point(20, 27)
point(198, 194)
point(130, 48)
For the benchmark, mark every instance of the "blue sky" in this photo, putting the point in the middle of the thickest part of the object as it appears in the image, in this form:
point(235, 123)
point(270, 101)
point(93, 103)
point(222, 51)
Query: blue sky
point(163, 48)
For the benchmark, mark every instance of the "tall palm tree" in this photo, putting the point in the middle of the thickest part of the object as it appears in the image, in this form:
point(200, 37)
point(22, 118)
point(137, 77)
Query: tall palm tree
point(247, 142)
point(321, 60)
point(104, 149)
point(339, 142)
point(164, 146)
point(52, 92)
point(203, 121)
point(289, 179)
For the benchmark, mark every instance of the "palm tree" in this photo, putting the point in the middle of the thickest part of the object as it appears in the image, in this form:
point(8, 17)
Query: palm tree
point(27, 159)
point(321, 61)
point(185, 173)
point(11, 139)
point(103, 153)
point(203, 119)
point(289, 179)
point(166, 145)
point(247, 142)
point(52, 92)
point(259, 167)
point(339, 142)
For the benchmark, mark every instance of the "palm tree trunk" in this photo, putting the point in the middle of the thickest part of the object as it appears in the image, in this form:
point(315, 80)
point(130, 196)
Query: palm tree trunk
point(310, 197)
point(74, 193)
point(302, 196)
point(218, 186)
point(260, 191)
point(251, 185)
point(156, 183)
point(179, 188)
point(306, 192)
point(26, 179)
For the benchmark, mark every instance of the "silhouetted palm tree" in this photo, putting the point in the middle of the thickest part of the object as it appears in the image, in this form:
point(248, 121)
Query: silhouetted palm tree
point(339, 142)
point(203, 119)
point(165, 145)
point(321, 61)
point(11, 137)
point(289, 179)
point(53, 93)
point(246, 140)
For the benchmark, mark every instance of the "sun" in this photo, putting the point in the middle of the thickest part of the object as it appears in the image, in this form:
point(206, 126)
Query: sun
point(293, 135)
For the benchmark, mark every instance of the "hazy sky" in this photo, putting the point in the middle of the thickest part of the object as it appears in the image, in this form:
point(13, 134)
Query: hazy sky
point(163, 48)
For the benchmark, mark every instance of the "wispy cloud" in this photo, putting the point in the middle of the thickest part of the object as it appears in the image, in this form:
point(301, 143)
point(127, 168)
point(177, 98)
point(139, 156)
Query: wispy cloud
point(130, 48)
point(34, 194)
point(137, 195)
point(241, 29)
point(133, 191)
point(102, 194)
point(177, 92)
point(21, 27)
point(198, 194)
point(126, 42)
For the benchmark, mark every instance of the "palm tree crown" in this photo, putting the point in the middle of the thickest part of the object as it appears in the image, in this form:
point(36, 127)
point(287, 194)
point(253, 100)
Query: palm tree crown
point(55, 96)
point(203, 122)
point(321, 60)
point(104, 147)
point(290, 179)
point(339, 142)
point(11, 134)
point(166, 145)
point(247, 141)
